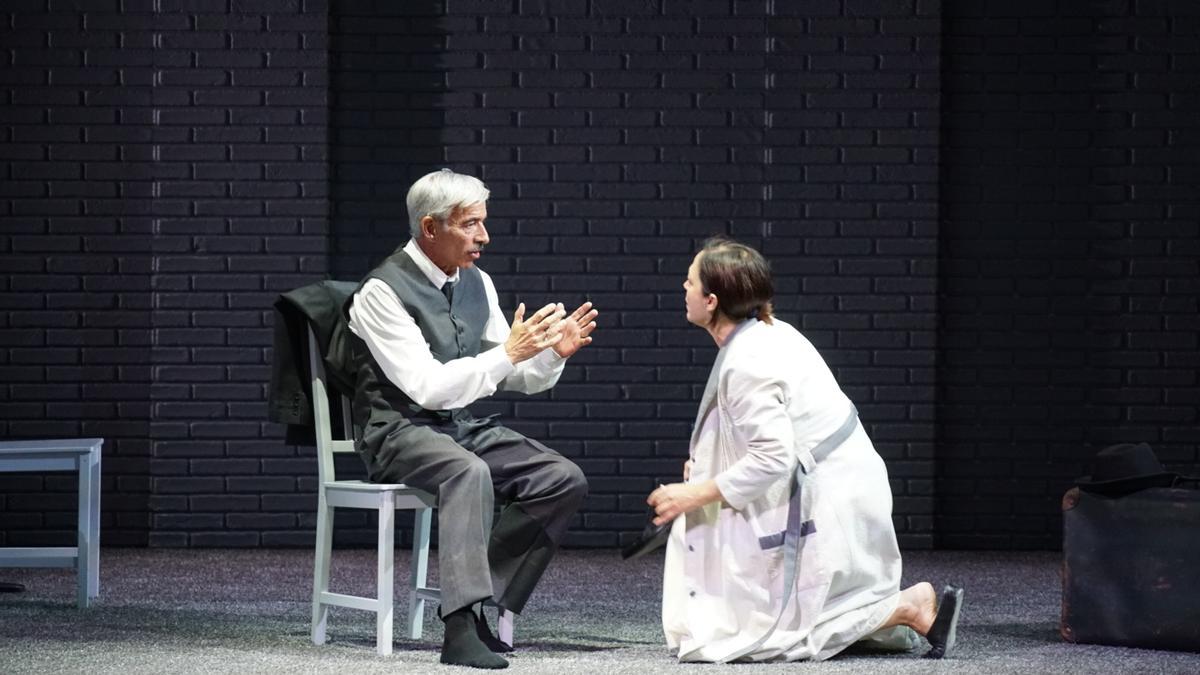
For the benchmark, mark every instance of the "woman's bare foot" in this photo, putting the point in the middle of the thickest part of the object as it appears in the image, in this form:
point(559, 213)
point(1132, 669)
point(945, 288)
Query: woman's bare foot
point(923, 601)
point(917, 608)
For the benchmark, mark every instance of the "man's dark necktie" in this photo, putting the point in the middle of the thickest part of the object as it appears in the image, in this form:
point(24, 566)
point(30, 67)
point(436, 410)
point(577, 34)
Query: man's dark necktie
point(448, 291)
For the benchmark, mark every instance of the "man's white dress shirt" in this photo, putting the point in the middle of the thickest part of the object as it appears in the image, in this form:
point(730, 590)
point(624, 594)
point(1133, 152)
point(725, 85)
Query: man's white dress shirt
point(394, 339)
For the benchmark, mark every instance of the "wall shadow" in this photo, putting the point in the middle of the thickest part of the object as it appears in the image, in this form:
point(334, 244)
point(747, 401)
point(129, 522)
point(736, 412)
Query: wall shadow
point(1061, 265)
point(388, 101)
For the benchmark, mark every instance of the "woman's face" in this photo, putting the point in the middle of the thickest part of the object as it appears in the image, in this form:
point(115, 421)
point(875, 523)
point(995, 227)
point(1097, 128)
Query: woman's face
point(700, 307)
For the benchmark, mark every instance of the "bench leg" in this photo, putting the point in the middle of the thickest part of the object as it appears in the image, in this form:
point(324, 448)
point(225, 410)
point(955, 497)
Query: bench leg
point(87, 551)
point(94, 528)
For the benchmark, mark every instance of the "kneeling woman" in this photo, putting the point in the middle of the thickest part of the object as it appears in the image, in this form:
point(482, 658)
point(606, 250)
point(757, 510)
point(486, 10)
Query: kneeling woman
point(785, 549)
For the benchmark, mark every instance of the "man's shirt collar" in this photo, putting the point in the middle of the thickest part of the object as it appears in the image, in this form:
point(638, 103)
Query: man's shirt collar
point(432, 272)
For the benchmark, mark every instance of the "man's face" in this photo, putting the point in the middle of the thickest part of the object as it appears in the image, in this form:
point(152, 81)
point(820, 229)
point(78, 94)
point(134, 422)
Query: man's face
point(699, 306)
point(458, 242)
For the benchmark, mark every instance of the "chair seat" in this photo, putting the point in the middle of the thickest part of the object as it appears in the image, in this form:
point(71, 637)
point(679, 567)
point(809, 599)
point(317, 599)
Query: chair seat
point(364, 486)
point(357, 494)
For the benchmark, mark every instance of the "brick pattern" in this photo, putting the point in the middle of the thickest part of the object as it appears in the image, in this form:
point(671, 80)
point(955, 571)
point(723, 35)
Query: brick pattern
point(241, 117)
point(616, 136)
point(1069, 260)
point(169, 166)
point(75, 232)
point(852, 216)
point(164, 179)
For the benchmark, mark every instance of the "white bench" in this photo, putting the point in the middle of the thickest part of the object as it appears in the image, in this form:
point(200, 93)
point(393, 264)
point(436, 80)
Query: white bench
point(81, 455)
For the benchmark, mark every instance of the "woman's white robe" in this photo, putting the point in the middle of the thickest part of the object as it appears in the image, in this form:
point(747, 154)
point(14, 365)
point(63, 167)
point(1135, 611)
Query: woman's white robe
point(771, 400)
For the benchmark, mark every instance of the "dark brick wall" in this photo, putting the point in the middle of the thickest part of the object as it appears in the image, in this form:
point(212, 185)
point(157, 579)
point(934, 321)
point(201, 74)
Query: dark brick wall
point(164, 178)
point(1069, 254)
point(170, 166)
point(75, 230)
point(615, 136)
point(241, 105)
point(852, 216)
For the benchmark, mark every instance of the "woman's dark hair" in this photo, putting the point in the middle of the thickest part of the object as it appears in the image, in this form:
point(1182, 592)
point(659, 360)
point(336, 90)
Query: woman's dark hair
point(739, 276)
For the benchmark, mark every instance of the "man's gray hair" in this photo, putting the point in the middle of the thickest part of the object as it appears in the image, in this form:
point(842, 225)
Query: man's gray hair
point(437, 194)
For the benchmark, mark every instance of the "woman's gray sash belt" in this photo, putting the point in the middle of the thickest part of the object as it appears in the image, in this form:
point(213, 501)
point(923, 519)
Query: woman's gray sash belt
point(793, 538)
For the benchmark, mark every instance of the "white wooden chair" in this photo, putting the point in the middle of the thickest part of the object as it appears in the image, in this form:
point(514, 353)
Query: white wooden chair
point(383, 498)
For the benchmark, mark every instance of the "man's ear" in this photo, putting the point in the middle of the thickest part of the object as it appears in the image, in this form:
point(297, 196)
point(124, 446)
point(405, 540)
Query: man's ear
point(428, 227)
point(711, 301)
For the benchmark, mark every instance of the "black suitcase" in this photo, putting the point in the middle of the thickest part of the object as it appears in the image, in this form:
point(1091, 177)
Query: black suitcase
point(1131, 569)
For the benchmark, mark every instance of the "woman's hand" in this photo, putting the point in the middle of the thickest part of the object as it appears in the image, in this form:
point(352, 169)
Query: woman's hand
point(671, 501)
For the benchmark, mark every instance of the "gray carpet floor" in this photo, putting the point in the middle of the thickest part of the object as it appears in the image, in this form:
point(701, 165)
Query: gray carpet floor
point(248, 611)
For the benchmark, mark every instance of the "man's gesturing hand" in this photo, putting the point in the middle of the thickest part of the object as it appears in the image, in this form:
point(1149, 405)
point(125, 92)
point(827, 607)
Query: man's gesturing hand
point(529, 337)
point(576, 330)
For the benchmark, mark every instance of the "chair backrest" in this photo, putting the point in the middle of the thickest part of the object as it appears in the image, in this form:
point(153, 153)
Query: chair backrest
point(326, 444)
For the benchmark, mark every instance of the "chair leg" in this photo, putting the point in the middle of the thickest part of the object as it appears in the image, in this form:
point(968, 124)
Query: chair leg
point(385, 571)
point(504, 627)
point(418, 572)
point(321, 560)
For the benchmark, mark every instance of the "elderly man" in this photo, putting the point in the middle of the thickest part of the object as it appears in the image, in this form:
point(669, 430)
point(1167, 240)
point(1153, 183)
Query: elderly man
point(430, 340)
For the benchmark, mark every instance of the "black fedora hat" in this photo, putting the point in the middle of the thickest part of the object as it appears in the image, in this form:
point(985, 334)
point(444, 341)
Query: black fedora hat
point(1124, 468)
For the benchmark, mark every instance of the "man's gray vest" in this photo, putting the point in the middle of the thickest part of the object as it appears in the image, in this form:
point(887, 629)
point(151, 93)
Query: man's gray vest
point(453, 329)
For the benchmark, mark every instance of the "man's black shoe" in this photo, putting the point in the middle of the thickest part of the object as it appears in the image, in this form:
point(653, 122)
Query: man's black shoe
point(942, 634)
point(462, 647)
point(10, 587)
